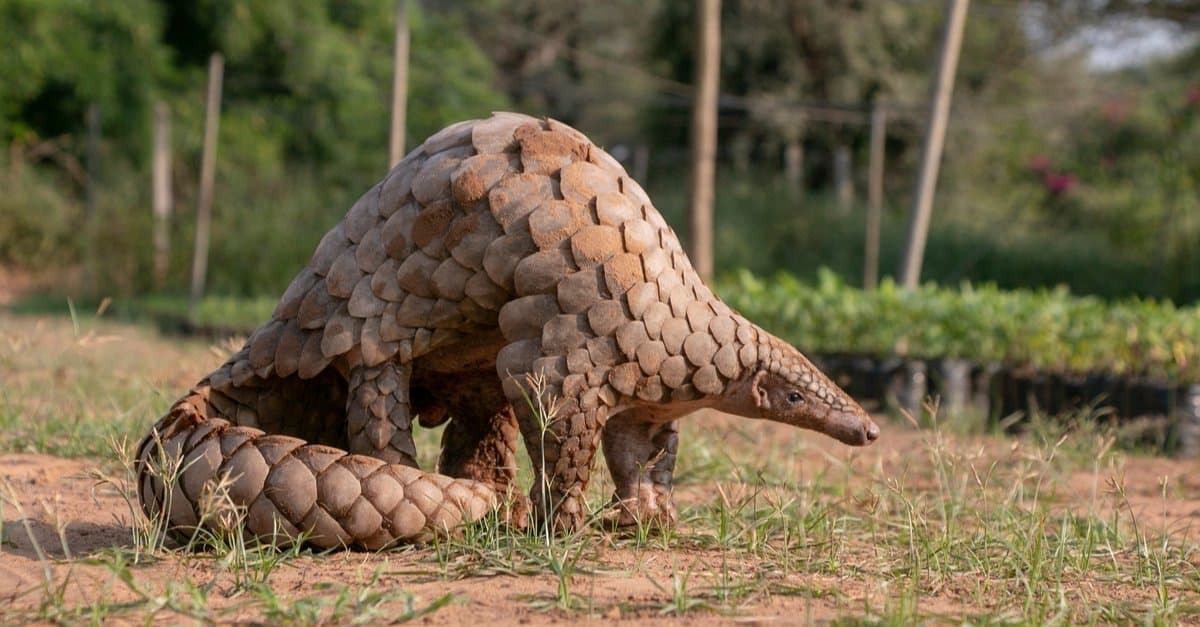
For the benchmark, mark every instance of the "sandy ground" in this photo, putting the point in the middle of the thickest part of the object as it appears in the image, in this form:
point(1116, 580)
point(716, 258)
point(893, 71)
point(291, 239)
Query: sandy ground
point(58, 493)
point(51, 370)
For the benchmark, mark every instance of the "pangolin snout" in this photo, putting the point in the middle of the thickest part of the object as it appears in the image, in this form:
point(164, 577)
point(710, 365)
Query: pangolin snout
point(852, 427)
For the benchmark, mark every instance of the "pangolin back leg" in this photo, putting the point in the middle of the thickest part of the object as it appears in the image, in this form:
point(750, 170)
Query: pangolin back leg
point(379, 413)
point(480, 442)
point(641, 458)
point(484, 448)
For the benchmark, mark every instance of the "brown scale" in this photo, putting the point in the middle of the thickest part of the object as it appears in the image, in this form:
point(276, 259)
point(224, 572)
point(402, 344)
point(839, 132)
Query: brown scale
point(498, 249)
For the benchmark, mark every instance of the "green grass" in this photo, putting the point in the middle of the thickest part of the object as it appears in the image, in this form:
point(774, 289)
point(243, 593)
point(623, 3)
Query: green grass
point(933, 524)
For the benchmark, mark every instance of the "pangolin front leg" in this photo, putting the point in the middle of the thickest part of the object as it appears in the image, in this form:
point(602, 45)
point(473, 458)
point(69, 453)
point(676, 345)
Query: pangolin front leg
point(641, 458)
point(379, 414)
point(561, 418)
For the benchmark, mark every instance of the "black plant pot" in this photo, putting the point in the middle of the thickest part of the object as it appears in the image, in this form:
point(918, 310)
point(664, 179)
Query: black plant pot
point(908, 387)
point(951, 381)
point(1187, 422)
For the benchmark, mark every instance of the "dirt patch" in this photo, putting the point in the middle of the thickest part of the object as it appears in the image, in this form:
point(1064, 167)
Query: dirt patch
point(777, 525)
point(641, 584)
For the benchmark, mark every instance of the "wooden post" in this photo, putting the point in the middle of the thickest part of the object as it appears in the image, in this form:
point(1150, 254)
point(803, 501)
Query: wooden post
point(874, 197)
point(843, 178)
point(935, 136)
point(793, 162)
point(208, 164)
point(160, 174)
point(704, 134)
point(91, 158)
point(399, 84)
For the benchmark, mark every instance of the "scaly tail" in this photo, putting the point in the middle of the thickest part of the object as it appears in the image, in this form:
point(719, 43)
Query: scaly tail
point(284, 488)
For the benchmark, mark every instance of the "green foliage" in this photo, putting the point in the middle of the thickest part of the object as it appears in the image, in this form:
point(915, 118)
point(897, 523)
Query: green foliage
point(62, 55)
point(304, 126)
point(40, 236)
point(766, 226)
point(1047, 328)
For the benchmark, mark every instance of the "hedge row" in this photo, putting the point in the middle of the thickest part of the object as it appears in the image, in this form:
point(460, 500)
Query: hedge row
point(1047, 329)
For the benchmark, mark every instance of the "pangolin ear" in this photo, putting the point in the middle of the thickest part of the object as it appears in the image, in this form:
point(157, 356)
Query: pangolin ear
point(758, 387)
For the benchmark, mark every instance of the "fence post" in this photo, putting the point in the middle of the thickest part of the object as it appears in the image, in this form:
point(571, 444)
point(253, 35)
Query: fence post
point(160, 184)
point(793, 162)
point(399, 85)
point(91, 165)
point(935, 136)
point(843, 176)
point(208, 164)
point(704, 134)
point(874, 197)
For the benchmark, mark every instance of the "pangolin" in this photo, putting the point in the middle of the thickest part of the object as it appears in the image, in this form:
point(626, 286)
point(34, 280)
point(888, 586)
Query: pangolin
point(498, 254)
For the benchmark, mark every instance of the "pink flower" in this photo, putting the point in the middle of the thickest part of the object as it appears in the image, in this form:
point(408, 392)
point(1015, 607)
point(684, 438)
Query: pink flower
point(1059, 184)
point(1193, 95)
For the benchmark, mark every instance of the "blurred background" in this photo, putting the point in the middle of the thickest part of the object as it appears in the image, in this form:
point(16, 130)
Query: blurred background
point(1067, 192)
point(1071, 158)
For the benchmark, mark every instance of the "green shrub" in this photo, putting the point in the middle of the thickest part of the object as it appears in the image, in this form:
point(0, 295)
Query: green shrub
point(1049, 329)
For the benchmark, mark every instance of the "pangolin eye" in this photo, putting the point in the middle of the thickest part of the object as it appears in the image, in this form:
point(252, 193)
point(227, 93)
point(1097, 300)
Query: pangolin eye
point(794, 397)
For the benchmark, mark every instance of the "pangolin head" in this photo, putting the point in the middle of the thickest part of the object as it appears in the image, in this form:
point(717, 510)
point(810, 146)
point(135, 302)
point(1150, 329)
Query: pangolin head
point(786, 387)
